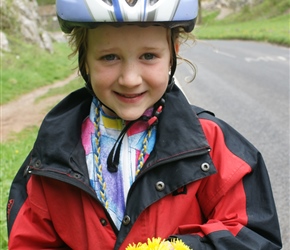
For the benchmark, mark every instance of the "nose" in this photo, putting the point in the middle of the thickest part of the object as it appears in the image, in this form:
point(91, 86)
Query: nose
point(130, 75)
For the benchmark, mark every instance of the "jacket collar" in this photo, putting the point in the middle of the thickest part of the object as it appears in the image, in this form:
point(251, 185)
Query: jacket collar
point(178, 133)
point(58, 146)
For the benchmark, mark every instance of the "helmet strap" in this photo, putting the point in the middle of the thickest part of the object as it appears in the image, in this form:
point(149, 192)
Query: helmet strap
point(82, 69)
point(173, 66)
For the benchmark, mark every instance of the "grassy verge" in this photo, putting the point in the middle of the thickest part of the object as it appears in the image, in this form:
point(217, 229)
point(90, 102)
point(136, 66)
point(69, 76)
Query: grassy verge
point(267, 22)
point(274, 30)
point(12, 155)
point(64, 90)
point(28, 67)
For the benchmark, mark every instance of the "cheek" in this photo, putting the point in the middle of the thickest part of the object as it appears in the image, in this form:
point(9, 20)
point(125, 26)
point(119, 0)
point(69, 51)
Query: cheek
point(100, 77)
point(162, 75)
point(99, 84)
point(159, 82)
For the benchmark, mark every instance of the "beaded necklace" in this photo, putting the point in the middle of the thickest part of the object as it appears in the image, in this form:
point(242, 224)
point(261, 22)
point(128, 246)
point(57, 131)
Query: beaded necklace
point(97, 151)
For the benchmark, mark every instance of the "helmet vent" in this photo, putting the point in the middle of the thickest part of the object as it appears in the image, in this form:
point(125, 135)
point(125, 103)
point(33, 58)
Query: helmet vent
point(131, 2)
point(152, 2)
point(109, 2)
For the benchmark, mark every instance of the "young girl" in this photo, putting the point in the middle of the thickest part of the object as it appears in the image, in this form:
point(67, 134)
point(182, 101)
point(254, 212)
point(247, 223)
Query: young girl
point(128, 158)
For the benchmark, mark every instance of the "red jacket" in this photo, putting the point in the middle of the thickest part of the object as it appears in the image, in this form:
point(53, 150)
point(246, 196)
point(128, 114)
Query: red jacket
point(203, 183)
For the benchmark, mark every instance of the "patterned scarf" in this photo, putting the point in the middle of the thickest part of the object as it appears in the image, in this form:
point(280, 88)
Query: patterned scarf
point(115, 185)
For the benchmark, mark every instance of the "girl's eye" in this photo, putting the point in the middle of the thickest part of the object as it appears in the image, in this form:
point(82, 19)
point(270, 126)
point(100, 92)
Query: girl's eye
point(110, 57)
point(148, 56)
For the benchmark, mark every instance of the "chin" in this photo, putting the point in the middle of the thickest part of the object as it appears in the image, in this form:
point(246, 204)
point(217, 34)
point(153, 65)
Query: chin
point(130, 117)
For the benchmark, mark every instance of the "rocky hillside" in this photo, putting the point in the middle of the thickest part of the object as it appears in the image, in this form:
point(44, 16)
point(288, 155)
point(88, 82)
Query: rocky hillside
point(21, 17)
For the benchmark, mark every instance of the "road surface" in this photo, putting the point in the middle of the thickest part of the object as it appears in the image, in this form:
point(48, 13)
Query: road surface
point(247, 84)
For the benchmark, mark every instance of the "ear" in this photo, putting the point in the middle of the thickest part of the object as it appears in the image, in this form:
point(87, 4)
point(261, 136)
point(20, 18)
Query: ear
point(176, 46)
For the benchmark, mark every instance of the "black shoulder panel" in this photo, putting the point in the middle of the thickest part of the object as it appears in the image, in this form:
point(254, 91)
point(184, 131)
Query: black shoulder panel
point(18, 194)
point(199, 110)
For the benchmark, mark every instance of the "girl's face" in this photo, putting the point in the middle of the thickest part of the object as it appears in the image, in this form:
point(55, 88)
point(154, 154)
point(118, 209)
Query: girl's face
point(129, 67)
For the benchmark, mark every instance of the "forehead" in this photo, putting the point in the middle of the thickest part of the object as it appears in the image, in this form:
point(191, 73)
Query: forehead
point(128, 34)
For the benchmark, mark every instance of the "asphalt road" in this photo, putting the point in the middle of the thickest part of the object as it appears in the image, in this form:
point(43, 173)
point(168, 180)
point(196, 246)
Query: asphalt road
point(247, 84)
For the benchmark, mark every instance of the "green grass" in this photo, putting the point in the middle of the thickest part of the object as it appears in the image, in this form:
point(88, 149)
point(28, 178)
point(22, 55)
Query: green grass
point(12, 155)
point(267, 22)
point(64, 90)
point(275, 30)
point(28, 67)
point(14, 151)
point(45, 2)
point(266, 10)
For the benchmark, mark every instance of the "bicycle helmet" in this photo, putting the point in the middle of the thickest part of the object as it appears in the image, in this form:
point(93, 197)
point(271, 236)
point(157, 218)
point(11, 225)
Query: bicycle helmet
point(89, 13)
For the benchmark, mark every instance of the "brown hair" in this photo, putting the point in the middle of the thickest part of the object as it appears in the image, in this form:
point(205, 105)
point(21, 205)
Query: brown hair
point(77, 40)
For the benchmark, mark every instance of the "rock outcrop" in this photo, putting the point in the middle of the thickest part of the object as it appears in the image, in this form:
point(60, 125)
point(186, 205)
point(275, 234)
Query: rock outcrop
point(21, 17)
point(4, 44)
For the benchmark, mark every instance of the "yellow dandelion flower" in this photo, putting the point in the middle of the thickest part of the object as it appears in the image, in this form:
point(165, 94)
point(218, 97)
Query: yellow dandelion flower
point(155, 244)
point(139, 246)
point(159, 244)
point(179, 245)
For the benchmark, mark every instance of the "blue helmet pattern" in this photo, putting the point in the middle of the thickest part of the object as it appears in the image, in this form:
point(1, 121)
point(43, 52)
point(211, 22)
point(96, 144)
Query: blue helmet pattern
point(89, 13)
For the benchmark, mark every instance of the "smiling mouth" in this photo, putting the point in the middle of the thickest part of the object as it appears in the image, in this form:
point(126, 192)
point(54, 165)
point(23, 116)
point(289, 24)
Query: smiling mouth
point(130, 96)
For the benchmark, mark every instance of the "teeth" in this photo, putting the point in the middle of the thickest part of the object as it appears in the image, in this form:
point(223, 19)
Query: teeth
point(131, 96)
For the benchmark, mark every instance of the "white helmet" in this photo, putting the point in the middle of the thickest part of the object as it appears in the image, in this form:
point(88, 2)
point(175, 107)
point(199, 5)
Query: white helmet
point(89, 13)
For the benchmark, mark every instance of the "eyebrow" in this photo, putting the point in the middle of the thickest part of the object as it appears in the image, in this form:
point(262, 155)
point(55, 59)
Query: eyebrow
point(146, 48)
point(154, 48)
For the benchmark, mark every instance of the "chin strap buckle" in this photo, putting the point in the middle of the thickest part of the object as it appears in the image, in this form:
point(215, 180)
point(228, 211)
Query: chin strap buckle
point(154, 119)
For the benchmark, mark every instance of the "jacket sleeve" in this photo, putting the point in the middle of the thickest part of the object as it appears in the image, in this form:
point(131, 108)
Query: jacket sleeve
point(237, 202)
point(29, 226)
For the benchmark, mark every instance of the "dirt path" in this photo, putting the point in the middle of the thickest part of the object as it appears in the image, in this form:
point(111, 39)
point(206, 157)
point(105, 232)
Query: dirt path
point(25, 112)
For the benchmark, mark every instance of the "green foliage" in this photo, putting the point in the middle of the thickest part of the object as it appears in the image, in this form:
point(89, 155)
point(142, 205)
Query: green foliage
point(28, 67)
point(9, 23)
point(45, 2)
point(209, 17)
